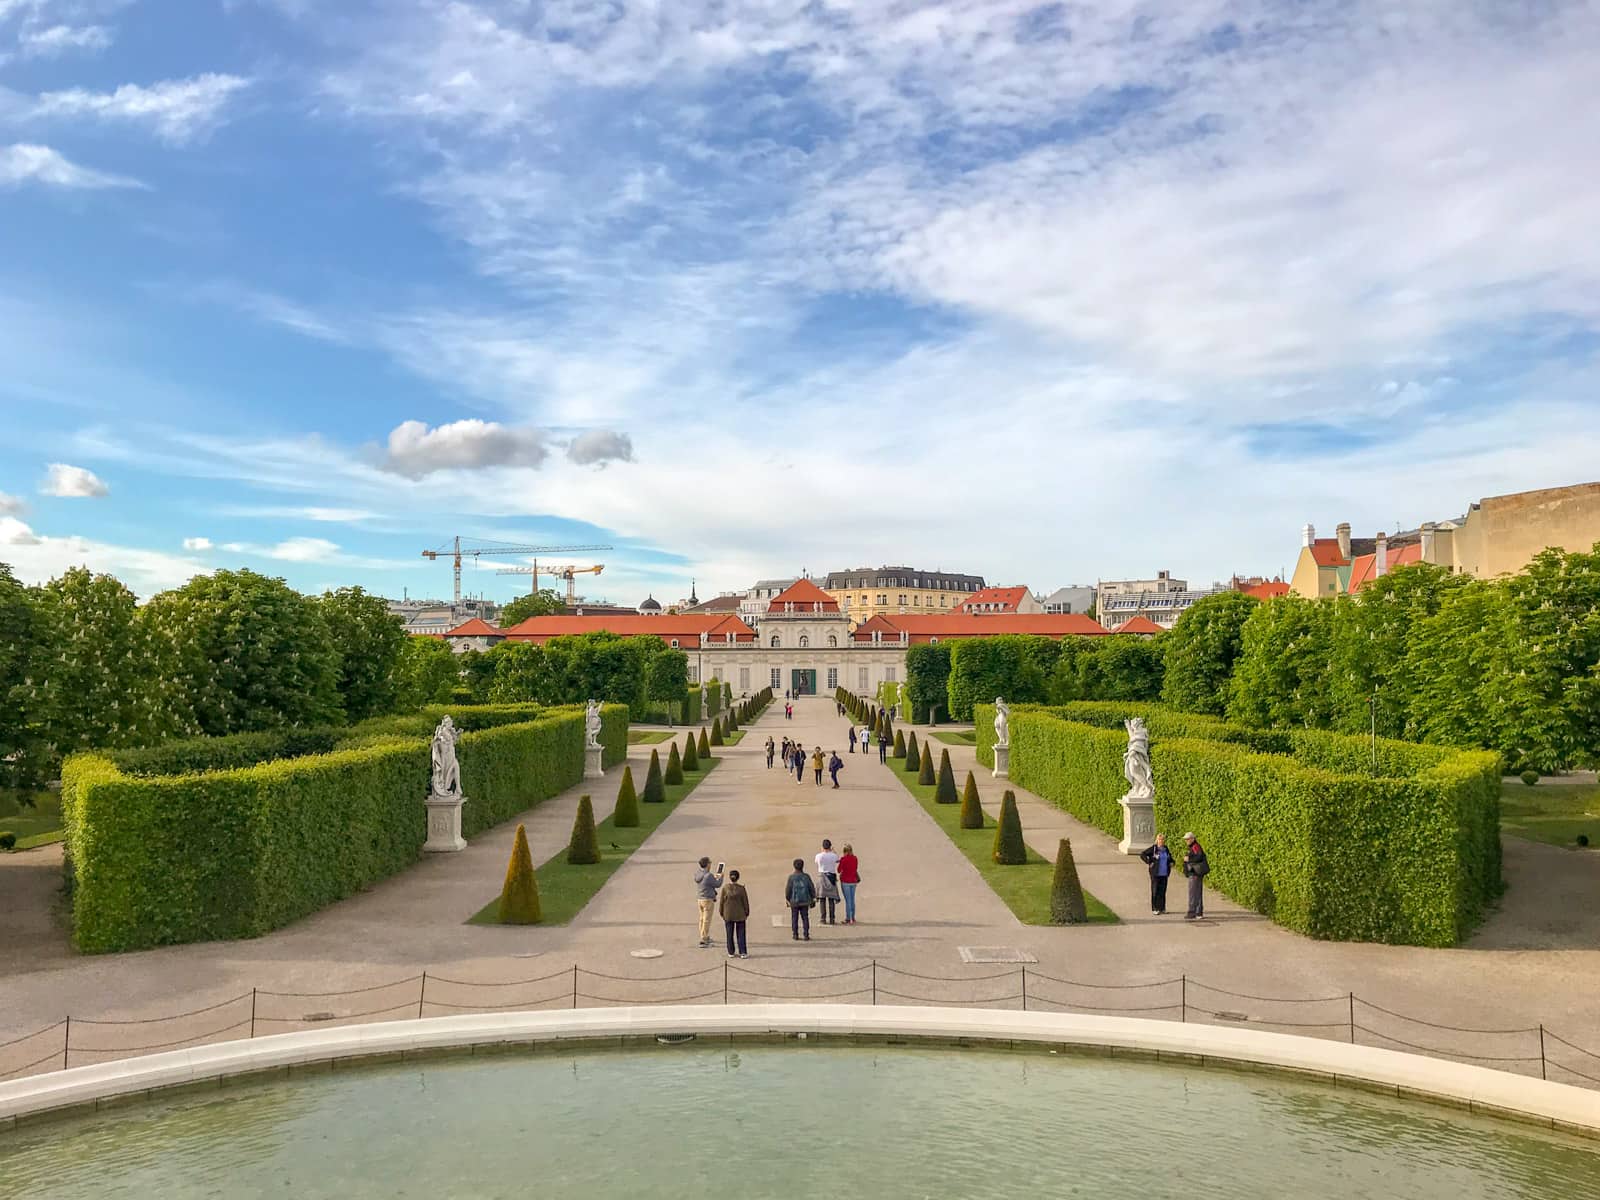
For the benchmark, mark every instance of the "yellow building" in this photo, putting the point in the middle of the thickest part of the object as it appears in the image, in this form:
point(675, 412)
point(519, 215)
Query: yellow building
point(866, 592)
point(1499, 535)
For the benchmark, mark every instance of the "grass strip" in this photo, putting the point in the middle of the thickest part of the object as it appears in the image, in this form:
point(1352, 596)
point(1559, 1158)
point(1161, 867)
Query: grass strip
point(649, 737)
point(955, 737)
point(564, 889)
point(1025, 889)
point(1552, 813)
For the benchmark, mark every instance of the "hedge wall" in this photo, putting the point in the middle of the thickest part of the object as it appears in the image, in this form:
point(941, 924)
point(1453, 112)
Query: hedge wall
point(713, 697)
point(691, 705)
point(235, 853)
point(1296, 824)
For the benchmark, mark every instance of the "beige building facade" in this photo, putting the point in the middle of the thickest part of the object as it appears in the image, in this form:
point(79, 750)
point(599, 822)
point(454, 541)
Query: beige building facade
point(865, 592)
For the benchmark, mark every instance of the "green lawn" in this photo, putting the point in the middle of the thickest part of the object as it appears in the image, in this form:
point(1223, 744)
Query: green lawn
point(564, 889)
point(1025, 889)
point(37, 825)
point(955, 737)
point(731, 739)
point(648, 737)
point(1554, 813)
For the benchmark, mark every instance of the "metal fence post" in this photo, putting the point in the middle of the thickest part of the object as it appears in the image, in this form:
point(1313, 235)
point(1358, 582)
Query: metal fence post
point(874, 982)
point(421, 993)
point(252, 1012)
point(1024, 989)
point(1183, 999)
point(724, 983)
point(66, 1042)
point(1352, 1018)
point(574, 985)
point(1543, 1071)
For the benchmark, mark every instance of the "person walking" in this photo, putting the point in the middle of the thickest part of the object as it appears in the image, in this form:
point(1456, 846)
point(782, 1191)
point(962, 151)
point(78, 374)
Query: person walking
point(828, 883)
point(849, 876)
point(706, 882)
point(799, 763)
point(735, 908)
point(771, 747)
point(1159, 859)
point(817, 762)
point(834, 763)
point(799, 893)
point(1196, 866)
point(883, 747)
point(851, 735)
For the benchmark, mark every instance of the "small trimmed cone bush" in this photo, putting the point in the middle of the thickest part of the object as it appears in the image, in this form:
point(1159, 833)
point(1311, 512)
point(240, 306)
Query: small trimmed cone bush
point(655, 792)
point(888, 727)
point(1067, 906)
point(913, 755)
point(1009, 848)
point(716, 732)
point(519, 898)
point(733, 720)
point(899, 743)
point(584, 846)
point(704, 746)
point(971, 810)
point(626, 814)
point(674, 773)
point(925, 771)
point(691, 756)
point(946, 792)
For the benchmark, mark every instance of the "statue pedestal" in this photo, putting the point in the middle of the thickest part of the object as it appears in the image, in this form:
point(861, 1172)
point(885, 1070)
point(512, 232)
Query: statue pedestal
point(1138, 823)
point(444, 824)
point(591, 763)
point(1002, 762)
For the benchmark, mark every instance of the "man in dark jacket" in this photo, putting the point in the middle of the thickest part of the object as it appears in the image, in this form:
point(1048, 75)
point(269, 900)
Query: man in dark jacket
point(834, 763)
point(1159, 859)
point(1196, 867)
point(800, 894)
point(735, 908)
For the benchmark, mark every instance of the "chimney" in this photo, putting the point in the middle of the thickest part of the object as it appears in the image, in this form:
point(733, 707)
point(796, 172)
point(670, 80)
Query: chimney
point(1380, 559)
point(1342, 532)
point(1428, 528)
point(1308, 535)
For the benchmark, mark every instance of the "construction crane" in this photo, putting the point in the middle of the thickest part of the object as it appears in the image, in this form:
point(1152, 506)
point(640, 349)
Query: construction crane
point(567, 573)
point(478, 548)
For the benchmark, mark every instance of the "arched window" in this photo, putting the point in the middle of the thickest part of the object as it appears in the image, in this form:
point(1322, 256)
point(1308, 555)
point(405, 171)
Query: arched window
point(804, 641)
point(933, 641)
point(833, 639)
point(674, 643)
point(775, 642)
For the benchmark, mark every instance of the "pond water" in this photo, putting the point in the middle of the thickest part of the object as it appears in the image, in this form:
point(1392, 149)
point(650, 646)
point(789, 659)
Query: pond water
point(758, 1121)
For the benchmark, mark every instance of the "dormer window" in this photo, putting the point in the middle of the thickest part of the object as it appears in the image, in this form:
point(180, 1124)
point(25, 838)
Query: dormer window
point(674, 643)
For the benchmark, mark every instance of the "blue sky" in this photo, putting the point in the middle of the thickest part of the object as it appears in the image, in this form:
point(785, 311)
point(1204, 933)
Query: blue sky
point(1044, 292)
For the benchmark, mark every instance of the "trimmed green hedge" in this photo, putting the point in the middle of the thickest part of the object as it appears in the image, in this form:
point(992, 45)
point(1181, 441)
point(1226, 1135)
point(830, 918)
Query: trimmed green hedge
point(713, 697)
point(1296, 823)
point(158, 860)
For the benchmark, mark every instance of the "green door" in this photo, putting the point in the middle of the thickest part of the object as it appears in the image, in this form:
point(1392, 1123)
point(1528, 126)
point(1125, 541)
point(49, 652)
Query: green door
point(804, 683)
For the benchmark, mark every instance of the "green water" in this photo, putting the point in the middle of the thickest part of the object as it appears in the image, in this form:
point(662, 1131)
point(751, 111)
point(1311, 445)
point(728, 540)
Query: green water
point(799, 1123)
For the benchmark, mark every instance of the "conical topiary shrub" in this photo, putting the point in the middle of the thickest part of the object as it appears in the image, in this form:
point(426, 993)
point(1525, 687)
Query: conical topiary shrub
point(655, 792)
point(1067, 906)
point(584, 846)
point(925, 772)
point(888, 727)
point(674, 772)
point(705, 745)
point(716, 732)
point(971, 809)
point(626, 814)
point(913, 755)
point(946, 791)
point(519, 898)
point(733, 720)
point(691, 756)
point(900, 743)
point(1009, 848)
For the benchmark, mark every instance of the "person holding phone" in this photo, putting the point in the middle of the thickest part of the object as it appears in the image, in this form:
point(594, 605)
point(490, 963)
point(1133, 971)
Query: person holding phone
point(735, 906)
point(706, 883)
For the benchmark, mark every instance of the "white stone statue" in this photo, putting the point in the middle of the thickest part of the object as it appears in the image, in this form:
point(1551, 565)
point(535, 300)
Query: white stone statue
point(446, 771)
point(1136, 760)
point(1002, 722)
point(591, 725)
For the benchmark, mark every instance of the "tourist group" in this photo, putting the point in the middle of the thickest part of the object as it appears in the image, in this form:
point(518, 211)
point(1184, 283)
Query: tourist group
point(838, 873)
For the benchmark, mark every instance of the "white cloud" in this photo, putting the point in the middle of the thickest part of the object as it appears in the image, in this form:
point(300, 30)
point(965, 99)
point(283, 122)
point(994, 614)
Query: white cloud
point(144, 571)
point(600, 446)
point(178, 110)
point(12, 506)
point(51, 41)
point(64, 480)
point(197, 543)
point(25, 162)
point(304, 549)
point(415, 450)
point(15, 533)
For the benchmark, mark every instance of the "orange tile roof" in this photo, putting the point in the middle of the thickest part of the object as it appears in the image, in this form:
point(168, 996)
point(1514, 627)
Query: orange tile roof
point(477, 627)
point(1267, 591)
point(687, 628)
point(1141, 625)
point(805, 596)
point(924, 627)
point(1325, 552)
point(1363, 570)
point(1008, 598)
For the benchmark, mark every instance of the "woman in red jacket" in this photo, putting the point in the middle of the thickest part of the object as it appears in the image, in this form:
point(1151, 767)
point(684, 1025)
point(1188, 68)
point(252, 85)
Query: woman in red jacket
point(849, 876)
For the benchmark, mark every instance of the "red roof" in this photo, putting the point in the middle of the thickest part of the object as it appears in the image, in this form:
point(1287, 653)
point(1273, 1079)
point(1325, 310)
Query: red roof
point(1007, 599)
point(477, 627)
point(688, 629)
point(1363, 569)
point(926, 627)
point(1141, 625)
point(1325, 552)
point(1267, 591)
point(805, 596)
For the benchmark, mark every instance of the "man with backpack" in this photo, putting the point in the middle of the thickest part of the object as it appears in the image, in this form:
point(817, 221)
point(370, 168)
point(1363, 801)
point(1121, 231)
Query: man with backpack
point(799, 893)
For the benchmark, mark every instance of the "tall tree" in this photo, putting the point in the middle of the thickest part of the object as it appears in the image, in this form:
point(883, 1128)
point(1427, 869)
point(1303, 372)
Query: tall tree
point(246, 652)
point(368, 638)
point(669, 677)
point(1281, 675)
point(544, 603)
point(23, 745)
point(426, 672)
point(1200, 650)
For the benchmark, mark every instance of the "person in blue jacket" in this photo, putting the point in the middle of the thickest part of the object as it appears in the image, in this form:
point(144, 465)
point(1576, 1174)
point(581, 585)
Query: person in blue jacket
point(1159, 859)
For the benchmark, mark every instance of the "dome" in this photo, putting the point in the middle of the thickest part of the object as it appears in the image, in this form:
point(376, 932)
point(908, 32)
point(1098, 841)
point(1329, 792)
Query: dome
point(650, 605)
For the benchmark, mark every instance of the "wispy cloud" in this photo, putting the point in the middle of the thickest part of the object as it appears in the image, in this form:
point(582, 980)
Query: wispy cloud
point(600, 446)
point(197, 543)
point(26, 162)
point(53, 41)
point(416, 450)
point(12, 506)
point(176, 110)
point(62, 479)
point(37, 558)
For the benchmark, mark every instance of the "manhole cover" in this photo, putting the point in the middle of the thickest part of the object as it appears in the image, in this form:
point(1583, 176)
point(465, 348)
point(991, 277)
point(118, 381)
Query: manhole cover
point(318, 1016)
point(995, 954)
point(644, 954)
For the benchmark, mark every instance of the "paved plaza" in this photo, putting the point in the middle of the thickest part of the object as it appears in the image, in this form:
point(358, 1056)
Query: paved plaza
point(920, 903)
